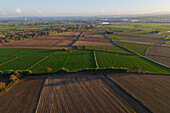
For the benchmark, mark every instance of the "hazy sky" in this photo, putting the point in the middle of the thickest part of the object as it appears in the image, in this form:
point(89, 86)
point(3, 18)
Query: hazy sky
point(80, 7)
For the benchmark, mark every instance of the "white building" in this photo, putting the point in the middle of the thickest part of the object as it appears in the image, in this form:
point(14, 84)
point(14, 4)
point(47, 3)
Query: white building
point(124, 20)
point(167, 31)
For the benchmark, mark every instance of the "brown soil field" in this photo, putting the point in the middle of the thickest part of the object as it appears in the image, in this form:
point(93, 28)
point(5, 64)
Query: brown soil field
point(88, 43)
point(58, 41)
point(22, 97)
point(165, 45)
point(159, 54)
point(142, 40)
point(81, 94)
point(92, 38)
point(151, 90)
point(154, 36)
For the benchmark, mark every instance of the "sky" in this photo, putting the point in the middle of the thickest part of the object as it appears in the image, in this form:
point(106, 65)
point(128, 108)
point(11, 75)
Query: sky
point(81, 7)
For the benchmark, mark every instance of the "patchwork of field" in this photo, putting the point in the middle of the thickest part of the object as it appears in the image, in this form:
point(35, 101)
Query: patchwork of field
point(143, 40)
point(22, 97)
point(38, 59)
point(75, 93)
point(127, 61)
point(115, 49)
point(137, 48)
point(58, 41)
point(150, 90)
point(160, 54)
point(93, 38)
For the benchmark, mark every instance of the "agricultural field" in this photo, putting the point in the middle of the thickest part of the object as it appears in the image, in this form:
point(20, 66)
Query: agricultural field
point(114, 36)
point(78, 60)
point(137, 48)
point(37, 60)
point(58, 41)
point(79, 93)
point(159, 54)
point(22, 97)
point(151, 90)
point(93, 38)
point(115, 49)
point(86, 54)
point(128, 61)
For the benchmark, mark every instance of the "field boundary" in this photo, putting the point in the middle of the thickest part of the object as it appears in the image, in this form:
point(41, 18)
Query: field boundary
point(74, 41)
point(95, 60)
point(39, 96)
point(136, 105)
point(41, 60)
point(141, 56)
point(9, 61)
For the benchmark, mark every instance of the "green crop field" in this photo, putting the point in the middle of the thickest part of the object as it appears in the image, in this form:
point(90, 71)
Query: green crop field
point(78, 60)
point(168, 42)
point(114, 36)
point(137, 48)
point(38, 59)
point(108, 48)
point(20, 63)
point(126, 61)
point(5, 59)
point(55, 61)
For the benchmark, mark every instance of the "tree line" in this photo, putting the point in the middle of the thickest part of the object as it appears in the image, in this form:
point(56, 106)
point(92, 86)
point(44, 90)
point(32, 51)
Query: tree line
point(27, 34)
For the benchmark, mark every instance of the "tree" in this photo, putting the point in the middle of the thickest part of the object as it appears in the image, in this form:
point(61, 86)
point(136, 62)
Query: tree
point(2, 86)
point(136, 69)
point(48, 69)
point(12, 78)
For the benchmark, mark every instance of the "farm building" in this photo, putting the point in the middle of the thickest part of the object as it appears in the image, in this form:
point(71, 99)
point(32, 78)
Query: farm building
point(168, 32)
point(106, 23)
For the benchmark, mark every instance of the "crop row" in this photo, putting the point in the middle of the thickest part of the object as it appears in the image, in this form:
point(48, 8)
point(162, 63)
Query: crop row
point(126, 61)
point(77, 60)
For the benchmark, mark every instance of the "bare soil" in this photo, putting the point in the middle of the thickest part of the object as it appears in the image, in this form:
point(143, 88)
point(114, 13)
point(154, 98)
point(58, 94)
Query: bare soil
point(143, 40)
point(151, 90)
point(159, 54)
point(91, 38)
point(75, 93)
point(22, 97)
point(58, 41)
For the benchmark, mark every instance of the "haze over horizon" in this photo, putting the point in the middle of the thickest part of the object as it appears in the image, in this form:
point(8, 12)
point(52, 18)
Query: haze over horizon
point(18, 8)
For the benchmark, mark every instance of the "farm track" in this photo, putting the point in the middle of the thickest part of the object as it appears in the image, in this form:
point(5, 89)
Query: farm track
point(84, 93)
point(74, 41)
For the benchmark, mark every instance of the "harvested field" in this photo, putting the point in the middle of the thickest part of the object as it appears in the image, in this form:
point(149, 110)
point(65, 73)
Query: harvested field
point(58, 41)
point(93, 39)
point(142, 40)
point(75, 93)
point(150, 90)
point(22, 97)
point(160, 54)
point(154, 36)
point(88, 43)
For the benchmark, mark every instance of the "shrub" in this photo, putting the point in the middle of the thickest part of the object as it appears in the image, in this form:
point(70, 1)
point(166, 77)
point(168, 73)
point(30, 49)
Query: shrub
point(64, 49)
point(107, 49)
point(136, 69)
point(16, 74)
point(25, 72)
point(63, 70)
point(48, 69)
point(1, 73)
point(2, 86)
point(8, 72)
point(12, 78)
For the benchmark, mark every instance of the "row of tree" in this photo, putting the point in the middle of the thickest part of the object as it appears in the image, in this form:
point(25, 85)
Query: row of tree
point(26, 34)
